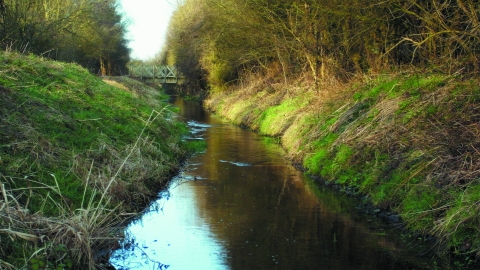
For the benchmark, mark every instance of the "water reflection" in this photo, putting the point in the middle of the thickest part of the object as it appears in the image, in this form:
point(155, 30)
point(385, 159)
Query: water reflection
point(240, 205)
point(175, 235)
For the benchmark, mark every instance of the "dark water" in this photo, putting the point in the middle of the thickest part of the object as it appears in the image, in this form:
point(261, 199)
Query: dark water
point(241, 205)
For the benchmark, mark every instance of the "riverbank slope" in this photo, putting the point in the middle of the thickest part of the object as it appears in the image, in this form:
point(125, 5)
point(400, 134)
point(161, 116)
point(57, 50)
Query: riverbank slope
point(78, 156)
point(410, 141)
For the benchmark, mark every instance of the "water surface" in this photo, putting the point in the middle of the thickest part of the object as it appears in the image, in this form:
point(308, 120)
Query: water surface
point(241, 205)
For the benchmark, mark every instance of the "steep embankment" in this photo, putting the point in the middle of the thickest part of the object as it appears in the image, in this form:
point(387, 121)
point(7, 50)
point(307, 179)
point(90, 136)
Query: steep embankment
point(78, 156)
point(409, 141)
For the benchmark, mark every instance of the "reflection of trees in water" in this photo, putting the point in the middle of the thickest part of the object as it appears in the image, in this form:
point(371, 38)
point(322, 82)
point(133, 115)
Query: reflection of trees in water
point(268, 214)
point(131, 249)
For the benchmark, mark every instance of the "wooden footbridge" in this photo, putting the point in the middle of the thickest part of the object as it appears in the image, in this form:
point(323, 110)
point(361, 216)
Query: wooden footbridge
point(155, 73)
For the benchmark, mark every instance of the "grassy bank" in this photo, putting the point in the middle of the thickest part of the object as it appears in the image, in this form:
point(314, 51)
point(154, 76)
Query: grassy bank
point(409, 141)
point(78, 156)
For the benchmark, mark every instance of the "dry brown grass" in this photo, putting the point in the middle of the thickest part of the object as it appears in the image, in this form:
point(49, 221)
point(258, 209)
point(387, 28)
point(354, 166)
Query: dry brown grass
point(78, 236)
point(118, 85)
point(84, 236)
point(414, 141)
point(150, 94)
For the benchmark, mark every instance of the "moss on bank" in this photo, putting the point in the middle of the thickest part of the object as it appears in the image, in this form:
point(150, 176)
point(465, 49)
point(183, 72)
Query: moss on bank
point(410, 141)
point(78, 156)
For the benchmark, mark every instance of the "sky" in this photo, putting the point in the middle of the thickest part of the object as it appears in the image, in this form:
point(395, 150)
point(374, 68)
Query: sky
point(148, 22)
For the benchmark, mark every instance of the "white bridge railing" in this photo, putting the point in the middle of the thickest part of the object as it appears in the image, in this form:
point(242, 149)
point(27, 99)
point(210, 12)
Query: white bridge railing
point(162, 74)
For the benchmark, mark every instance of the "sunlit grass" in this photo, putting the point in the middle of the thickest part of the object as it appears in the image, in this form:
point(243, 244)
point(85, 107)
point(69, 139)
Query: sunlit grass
point(406, 140)
point(76, 155)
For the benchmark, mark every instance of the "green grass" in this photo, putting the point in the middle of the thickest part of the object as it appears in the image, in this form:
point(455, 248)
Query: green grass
point(409, 141)
point(460, 223)
point(320, 161)
point(418, 207)
point(78, 152)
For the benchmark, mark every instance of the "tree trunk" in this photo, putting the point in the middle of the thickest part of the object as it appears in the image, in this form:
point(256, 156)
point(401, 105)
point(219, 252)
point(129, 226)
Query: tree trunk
point(105, 66)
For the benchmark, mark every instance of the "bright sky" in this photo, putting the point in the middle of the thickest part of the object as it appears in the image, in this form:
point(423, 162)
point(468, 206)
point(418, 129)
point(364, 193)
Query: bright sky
point(148, 25)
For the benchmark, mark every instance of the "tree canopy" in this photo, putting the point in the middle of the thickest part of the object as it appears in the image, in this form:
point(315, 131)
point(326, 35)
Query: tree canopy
point(328, 39)
point(89, 32)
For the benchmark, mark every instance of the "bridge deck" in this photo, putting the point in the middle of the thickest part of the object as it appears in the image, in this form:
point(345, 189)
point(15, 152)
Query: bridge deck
point(162, 74)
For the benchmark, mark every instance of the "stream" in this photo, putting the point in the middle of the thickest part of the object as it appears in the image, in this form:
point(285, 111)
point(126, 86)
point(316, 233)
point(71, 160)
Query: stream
point(242, 205)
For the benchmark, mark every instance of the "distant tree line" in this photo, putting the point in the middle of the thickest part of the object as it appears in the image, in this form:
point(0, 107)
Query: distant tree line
point(218, 41)
point(89, 32)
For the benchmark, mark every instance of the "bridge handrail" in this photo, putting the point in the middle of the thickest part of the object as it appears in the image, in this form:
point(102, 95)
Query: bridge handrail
point(153, 71)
